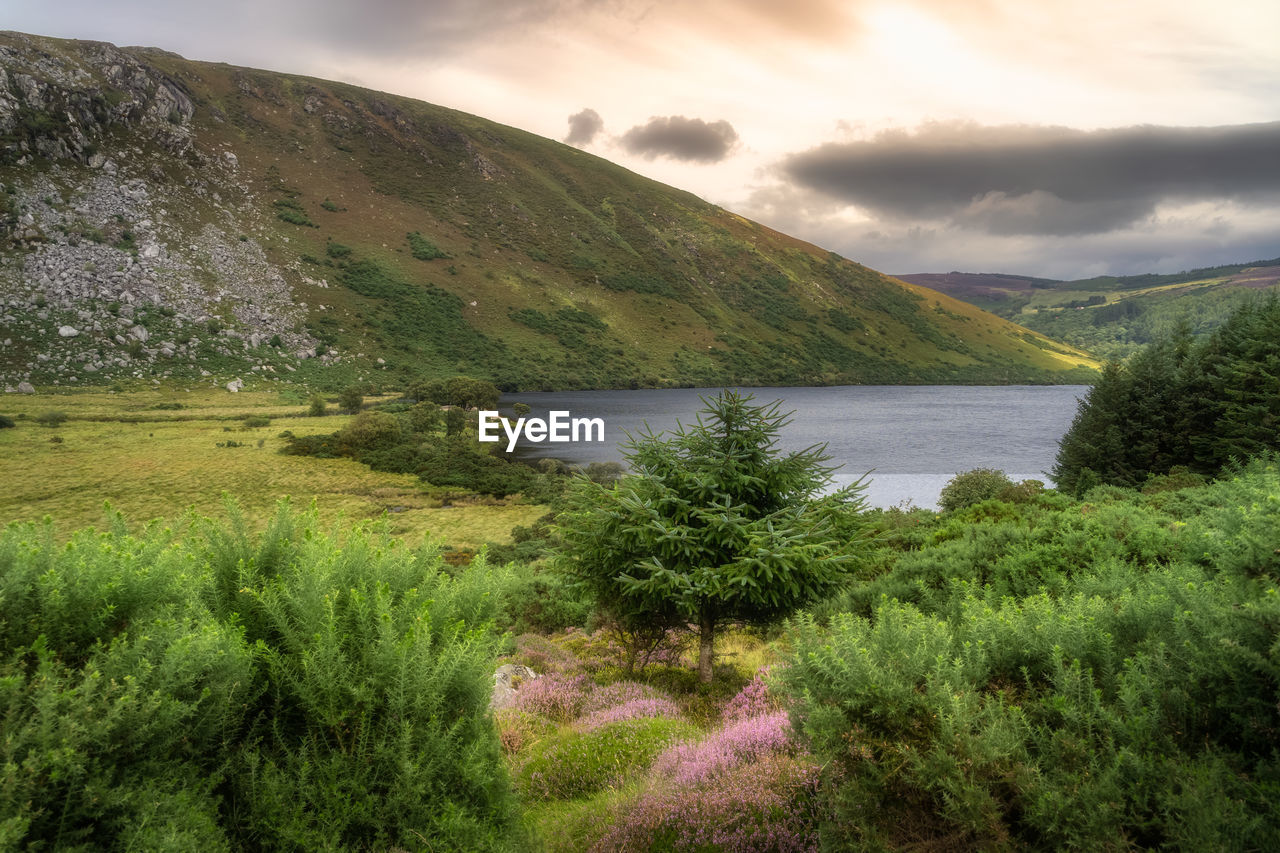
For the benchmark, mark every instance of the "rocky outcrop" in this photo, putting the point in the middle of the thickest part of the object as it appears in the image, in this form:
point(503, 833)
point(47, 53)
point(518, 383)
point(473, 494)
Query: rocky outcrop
point(129, 253)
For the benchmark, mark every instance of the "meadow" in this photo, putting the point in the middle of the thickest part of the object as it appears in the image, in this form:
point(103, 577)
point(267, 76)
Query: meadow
point(157, 454)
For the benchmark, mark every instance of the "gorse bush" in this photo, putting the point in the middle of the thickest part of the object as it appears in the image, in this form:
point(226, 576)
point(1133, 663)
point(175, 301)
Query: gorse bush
point(217, 690)
point(1098, 675)
point(973, 487)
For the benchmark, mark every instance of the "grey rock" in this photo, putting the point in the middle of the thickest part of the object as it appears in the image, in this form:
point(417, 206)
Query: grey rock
point(506, 681)
point(67, 331)
point(26, 388)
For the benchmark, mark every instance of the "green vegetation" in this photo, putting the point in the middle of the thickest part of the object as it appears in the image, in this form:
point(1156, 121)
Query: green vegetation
point(480, 249)
point(351, 399)
point(422, 248)
point(1054, 674)
point(291, 211)
point(1115, 316)
point(982, 484)
point(1180, 404)
point(407, 439)
point(713, 525)
point(206, 689)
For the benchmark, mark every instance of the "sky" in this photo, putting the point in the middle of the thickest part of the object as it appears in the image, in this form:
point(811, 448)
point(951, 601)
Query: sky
point(1055, 138)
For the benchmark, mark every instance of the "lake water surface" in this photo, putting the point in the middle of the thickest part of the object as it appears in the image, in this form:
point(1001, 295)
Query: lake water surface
point(912, 439)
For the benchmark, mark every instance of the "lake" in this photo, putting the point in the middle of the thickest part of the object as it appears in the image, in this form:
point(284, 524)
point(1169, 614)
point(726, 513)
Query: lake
point(911, 438)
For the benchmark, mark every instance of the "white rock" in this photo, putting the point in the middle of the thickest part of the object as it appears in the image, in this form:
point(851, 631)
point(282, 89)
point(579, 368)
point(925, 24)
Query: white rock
point(68, 331)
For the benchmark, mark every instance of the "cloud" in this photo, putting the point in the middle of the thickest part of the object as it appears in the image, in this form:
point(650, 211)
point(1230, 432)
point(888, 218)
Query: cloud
point(584, 127)
point(1041, 180)
point(680, 138)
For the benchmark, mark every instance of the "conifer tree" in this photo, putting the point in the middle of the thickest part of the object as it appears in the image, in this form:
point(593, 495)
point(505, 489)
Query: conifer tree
point(713, 524)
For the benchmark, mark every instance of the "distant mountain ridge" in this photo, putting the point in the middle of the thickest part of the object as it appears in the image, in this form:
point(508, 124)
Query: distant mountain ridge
point(1111, 316)
point(169, 218)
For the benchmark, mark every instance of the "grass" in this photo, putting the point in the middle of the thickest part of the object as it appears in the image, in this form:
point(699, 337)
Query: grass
point(169, 461)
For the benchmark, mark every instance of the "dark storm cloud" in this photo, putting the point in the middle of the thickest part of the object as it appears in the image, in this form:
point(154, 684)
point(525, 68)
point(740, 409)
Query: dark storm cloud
point(584, 127)
point(1042, 180)
point(680, 138)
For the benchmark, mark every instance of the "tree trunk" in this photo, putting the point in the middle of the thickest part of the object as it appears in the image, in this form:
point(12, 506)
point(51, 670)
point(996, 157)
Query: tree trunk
point(706, 639)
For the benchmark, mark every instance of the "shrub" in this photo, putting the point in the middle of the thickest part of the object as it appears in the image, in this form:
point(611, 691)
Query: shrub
point(256, 422)
point(971, 487)
point(351, 399)
point(770, 806)
point(517, 729)
point(753, 700)
point(737, 743)
point(6, 422)
point(573, 764)
point(370, 430)
point(554, 696)
point(422, 248)
point(317, 406)
point(214, 690)
point(52, 418)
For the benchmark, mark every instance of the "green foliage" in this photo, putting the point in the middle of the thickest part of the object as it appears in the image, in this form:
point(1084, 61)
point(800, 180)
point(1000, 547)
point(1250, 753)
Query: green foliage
point(971, 487)
point(1180, 403)
point(423, 322)
point(291, 211)
point(218, 691)
point(317, 406)
point(543, 602)
point(370, 431)
point(351, 398)
point(255, 422)
point(1057, 677)
point(337, 250)
point(422, 248)
point(52, 418)
point(714, 524)
point(425, 418)
point(6, 422)
point(574, 764)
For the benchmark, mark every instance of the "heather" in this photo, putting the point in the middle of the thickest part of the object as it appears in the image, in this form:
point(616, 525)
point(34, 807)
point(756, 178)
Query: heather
point(738, 743)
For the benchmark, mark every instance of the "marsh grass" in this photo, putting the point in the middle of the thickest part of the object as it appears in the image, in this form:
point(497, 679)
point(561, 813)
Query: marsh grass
point(170, 462)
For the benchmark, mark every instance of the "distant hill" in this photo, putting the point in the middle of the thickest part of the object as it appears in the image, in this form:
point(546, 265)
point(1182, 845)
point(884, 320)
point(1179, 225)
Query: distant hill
point(1111, 316)
point(169, 218)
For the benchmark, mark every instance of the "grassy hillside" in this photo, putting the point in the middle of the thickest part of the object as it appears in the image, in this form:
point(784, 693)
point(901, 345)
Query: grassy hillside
point(1111, 316)
point(407, 239)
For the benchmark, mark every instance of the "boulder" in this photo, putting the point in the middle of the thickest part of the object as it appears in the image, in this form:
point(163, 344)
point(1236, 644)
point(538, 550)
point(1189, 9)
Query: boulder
point(26, 388)
point(235, 385)
point(506, 681)
point(67, 331)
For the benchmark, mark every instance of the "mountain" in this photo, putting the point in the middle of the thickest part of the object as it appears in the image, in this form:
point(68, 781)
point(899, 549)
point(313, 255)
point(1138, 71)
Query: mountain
point(1111, 316)
point(170, 218)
